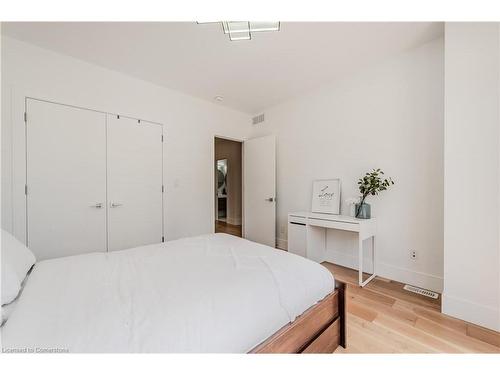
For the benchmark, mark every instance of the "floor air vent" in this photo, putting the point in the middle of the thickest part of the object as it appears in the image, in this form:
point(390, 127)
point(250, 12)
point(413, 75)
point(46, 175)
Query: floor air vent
point(423, 292)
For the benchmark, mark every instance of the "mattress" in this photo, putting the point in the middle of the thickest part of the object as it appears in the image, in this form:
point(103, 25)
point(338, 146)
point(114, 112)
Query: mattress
point(213, 293)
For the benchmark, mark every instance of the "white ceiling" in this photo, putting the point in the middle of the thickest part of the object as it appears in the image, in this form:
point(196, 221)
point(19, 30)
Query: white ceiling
point(198, 59)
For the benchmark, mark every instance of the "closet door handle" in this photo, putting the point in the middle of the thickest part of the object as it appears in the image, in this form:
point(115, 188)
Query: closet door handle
point(97, 205)
point(115, 204)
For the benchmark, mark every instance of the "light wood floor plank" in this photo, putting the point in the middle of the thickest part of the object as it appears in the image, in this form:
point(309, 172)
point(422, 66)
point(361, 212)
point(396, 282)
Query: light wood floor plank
point(373, 296)
point(399, 342)
point(467, 343)
point(484, 334)
point(385, 318)
point(415, 334)
point(361, 311)
point(455, 324)
point(367, 342)
point(380, 308)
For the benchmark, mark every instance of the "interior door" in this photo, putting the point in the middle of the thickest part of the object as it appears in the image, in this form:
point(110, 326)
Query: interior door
point(66, 179)
point(135, 178)
point(259, 179)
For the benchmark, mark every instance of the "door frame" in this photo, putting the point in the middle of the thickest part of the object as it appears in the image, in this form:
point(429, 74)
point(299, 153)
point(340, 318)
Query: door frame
point(21, 119)
point(213, 185)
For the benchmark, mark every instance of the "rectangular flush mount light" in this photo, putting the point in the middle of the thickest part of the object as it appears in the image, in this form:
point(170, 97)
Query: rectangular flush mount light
point(264, 26)
point(237, 30)
point(242, 30)
point(252, 26)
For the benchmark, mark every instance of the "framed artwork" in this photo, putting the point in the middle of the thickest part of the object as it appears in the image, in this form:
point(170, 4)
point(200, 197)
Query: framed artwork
point(326, 196)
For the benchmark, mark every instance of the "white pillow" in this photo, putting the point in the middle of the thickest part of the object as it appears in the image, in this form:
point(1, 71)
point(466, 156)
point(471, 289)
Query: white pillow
point(7, 310)
point(17, 260)
point(10, 284)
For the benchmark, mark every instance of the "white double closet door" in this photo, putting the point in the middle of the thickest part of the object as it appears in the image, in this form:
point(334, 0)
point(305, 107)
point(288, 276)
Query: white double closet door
point(94, 181)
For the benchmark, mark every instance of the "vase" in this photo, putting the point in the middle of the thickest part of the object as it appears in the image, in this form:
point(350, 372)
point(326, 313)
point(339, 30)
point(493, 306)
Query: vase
point(364, 212)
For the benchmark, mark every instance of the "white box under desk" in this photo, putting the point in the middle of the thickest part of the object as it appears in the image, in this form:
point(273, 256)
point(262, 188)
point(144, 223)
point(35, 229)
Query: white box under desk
point(308, 234)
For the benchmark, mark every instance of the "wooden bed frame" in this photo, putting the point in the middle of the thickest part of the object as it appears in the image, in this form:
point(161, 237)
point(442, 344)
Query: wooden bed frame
point(320, 329)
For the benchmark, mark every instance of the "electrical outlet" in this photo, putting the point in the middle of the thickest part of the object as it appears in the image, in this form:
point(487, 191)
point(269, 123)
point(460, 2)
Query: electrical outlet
point(413, 255)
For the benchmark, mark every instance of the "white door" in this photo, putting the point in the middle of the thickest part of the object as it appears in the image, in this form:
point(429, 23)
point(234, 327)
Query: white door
point(66, 179)
point(259, 178)
point(135, 198)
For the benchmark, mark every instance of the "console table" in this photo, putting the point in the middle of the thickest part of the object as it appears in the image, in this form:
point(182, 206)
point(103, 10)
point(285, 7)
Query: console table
point(307, 236)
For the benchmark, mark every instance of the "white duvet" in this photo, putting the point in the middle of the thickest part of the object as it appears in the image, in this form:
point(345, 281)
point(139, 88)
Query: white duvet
point(214, 293)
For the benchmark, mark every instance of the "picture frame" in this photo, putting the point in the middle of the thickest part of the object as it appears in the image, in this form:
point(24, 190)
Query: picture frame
point(326, 196)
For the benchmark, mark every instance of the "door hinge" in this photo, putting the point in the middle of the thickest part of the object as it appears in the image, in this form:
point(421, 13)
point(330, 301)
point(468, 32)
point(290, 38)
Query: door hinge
point(162, 239)
point(117, 117)
point(25, 117)
point(25, 189)
point(162, 188)
point(162, 137)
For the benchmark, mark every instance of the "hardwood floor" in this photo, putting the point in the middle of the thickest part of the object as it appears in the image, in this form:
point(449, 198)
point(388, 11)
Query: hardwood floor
point(223, 227)
point(384, 318)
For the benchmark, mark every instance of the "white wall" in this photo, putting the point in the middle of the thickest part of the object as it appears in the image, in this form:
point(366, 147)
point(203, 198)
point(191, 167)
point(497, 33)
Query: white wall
point(472, 172)
point(389, 116)
point(190, 125)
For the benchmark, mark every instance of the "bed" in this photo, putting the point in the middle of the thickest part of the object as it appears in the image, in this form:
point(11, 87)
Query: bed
point(214, 293)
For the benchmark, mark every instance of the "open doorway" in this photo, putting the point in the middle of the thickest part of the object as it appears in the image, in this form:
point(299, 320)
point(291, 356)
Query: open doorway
point(228, 186)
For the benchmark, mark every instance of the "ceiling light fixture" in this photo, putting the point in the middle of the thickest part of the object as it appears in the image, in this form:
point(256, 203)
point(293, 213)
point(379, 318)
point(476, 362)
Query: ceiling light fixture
point(242, 30)
point(219, 98)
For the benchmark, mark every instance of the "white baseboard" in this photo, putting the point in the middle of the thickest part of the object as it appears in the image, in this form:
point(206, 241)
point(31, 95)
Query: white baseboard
point(234, 220)
point(407, 276)
point(282, 244)
point(482, 315)
point(389, 271)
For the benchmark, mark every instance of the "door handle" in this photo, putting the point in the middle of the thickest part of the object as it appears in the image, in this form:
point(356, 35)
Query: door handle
point(97, 205)
point(270, 199)
point(115, 204)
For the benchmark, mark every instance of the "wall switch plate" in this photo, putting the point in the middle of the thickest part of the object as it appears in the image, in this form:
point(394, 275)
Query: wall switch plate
point(413, 255)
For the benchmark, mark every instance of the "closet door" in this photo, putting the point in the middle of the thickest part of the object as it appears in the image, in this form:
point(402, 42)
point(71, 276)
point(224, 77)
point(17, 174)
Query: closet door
point(66, 179)
point(135, 207)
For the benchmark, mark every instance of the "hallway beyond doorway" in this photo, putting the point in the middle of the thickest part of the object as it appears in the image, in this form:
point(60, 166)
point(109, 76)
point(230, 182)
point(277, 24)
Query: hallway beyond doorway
point(223, 227)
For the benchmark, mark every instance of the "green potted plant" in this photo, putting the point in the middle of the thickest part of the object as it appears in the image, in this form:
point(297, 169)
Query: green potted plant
point(372, 183)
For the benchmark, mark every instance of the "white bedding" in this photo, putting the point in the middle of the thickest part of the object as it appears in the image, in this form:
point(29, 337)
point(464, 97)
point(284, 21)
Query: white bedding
point(214, 293)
